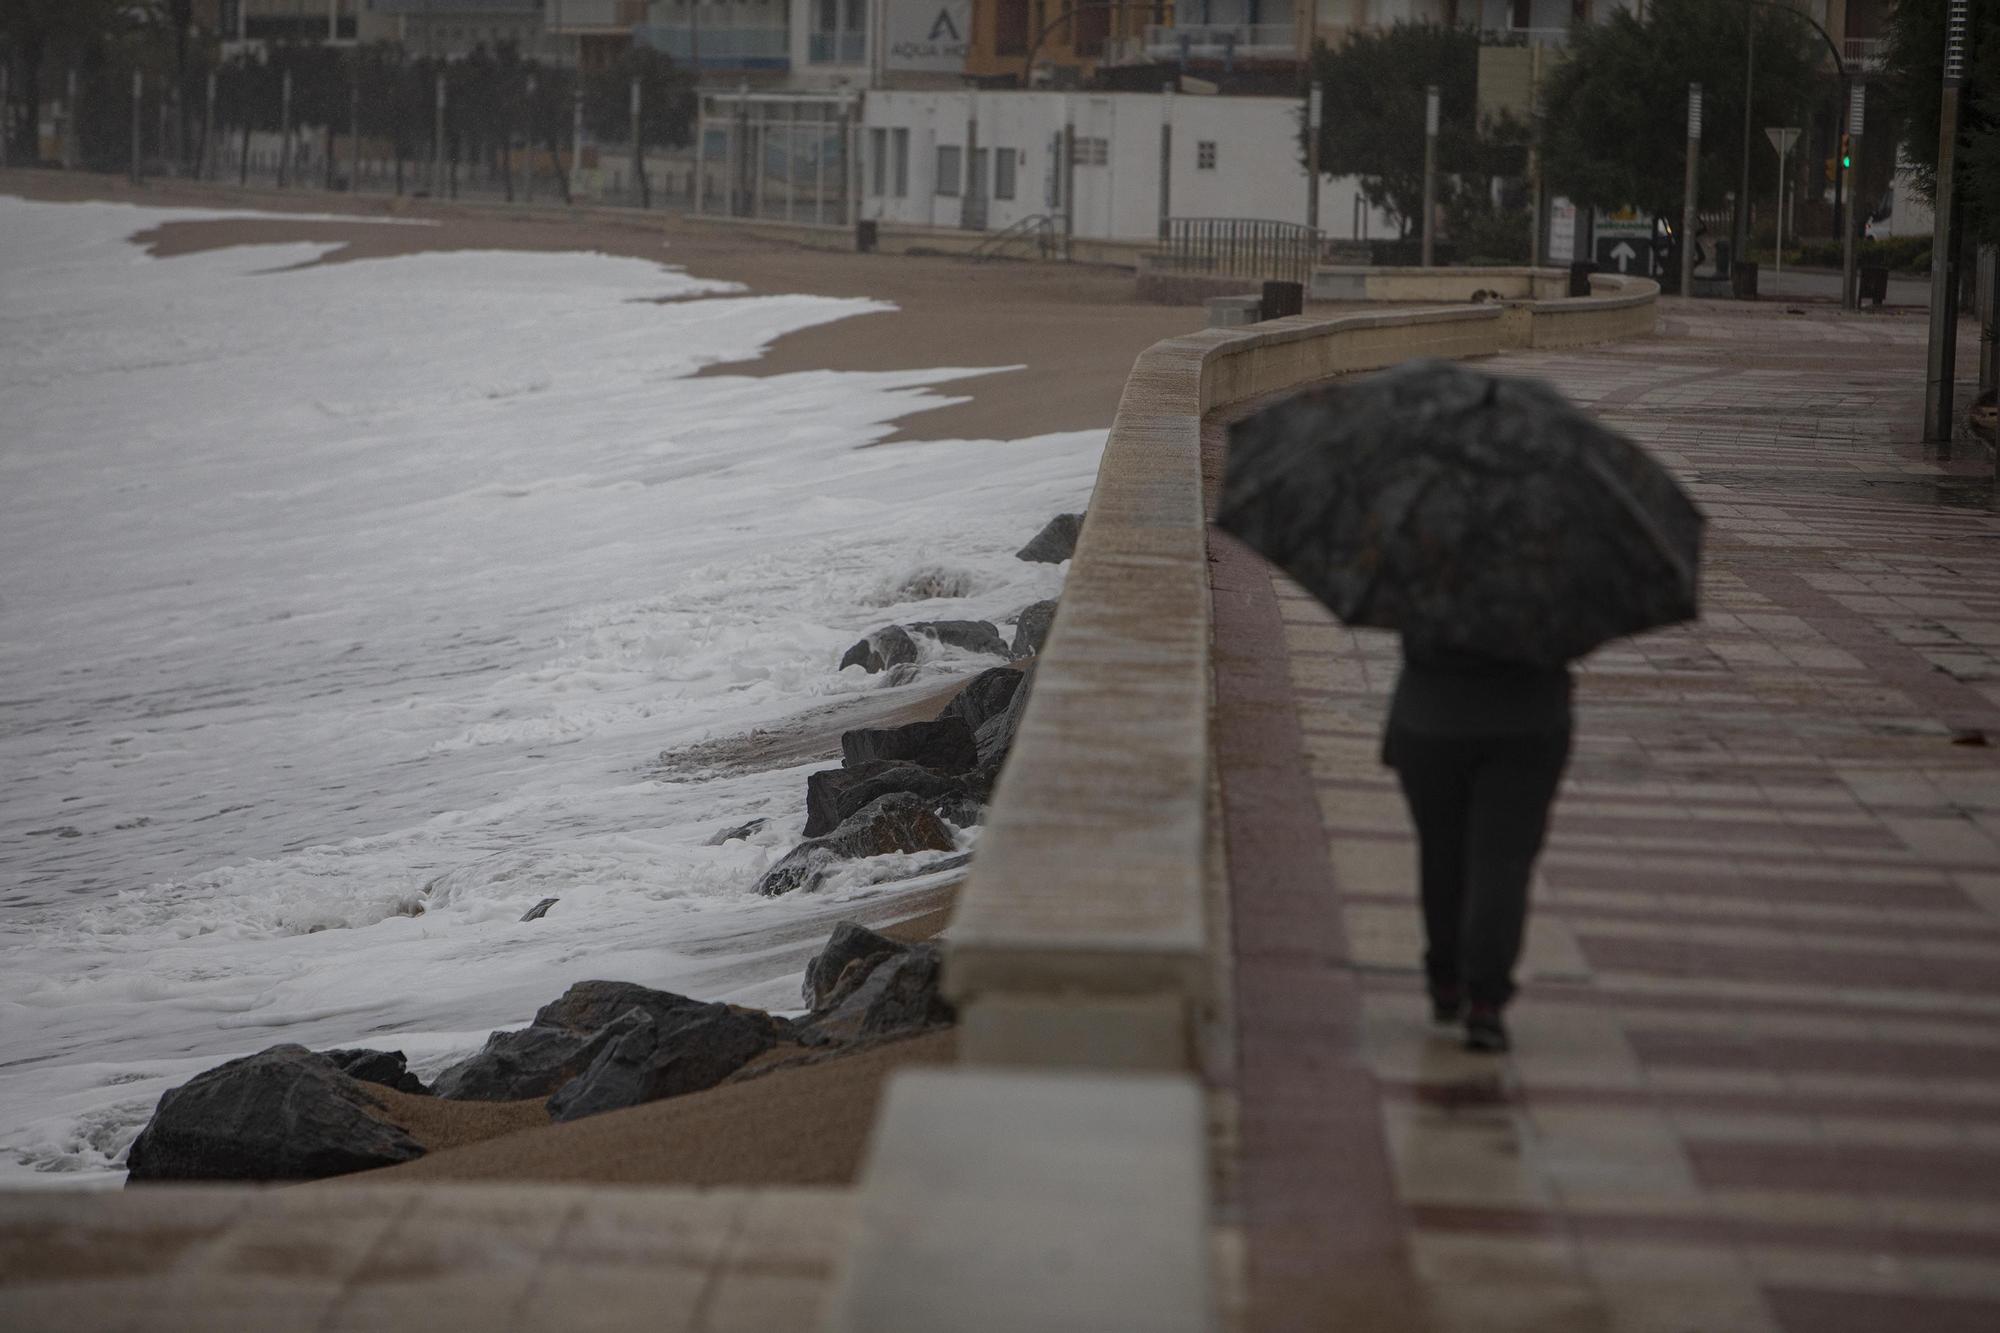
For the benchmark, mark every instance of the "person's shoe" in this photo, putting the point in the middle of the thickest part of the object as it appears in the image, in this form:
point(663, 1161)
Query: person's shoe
point(1484, 1031)
point(1447, 1007)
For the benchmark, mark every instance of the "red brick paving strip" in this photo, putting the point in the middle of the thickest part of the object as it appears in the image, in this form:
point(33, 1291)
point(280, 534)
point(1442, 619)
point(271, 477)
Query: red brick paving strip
point(1326, 1238)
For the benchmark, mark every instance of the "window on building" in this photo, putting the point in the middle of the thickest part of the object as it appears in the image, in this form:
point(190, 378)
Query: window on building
point(1204, 155)
point(901, 139)
point(1010, 28)
point(839, 34)
point(950, 169)
point(1004, 162)
point(878, 157)
point(1092, 151)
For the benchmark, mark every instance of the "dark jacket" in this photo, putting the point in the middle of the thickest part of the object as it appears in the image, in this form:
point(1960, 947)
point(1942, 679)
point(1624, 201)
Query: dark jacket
point(1443, 692)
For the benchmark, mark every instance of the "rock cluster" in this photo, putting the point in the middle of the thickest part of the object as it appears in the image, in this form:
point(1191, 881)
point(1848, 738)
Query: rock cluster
point(898, 789)
point(288, 1113)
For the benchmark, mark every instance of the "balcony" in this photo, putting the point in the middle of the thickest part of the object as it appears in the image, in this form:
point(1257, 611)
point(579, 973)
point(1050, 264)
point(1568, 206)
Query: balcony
point(720, 48)
point(1865, 54)
point(837, 48)
point(1223, 41)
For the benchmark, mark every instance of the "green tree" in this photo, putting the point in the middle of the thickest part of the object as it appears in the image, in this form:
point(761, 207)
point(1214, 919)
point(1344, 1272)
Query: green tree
point(1915, 66)
point(1613, 117)
point(1372, 124)
point(37, 37)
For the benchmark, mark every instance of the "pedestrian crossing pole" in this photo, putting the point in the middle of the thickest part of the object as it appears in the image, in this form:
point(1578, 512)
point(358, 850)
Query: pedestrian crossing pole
point(1688, 201)
point(1850, 292)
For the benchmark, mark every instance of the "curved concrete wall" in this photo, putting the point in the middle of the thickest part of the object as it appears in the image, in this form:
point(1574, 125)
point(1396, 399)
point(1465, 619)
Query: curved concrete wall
point(1085, 946)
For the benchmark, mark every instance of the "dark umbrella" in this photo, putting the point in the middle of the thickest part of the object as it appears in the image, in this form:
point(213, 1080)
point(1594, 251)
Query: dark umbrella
point(1468, 511)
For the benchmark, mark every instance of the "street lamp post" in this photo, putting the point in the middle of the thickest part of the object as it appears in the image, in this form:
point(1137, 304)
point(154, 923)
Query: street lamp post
point(1688, 202)
point(1315, 101)
point(1430, 173)
point(1943, 353)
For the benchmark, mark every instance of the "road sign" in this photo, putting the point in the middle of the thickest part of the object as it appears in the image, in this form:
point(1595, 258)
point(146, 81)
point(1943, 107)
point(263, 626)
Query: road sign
point(1781, 139)
point(1623, 243)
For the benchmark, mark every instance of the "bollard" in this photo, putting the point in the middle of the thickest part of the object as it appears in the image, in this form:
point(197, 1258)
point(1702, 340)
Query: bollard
point(1281, 299)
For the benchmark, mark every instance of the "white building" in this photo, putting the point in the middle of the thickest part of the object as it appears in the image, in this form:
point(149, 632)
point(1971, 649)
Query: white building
point(924, 154)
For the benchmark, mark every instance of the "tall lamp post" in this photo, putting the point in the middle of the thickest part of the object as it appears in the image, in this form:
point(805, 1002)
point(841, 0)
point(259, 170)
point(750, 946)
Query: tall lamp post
point(1430, 173)
point(1688, 202)
point(1741, 230)
point(1943, 354)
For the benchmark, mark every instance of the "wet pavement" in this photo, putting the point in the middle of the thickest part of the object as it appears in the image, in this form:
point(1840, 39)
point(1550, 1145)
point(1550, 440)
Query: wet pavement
point(1756, 1075)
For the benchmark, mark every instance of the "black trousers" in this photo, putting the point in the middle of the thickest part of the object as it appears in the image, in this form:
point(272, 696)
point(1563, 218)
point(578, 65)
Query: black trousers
point(1481, 807)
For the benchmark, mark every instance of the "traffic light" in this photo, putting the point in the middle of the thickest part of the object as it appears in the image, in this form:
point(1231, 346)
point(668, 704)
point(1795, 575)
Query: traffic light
point(1846, 152)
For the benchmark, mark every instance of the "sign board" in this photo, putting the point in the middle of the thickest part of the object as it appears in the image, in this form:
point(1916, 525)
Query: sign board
point(1562, 231)
point(1781, 140)
point(930, 36)
point(1624, 243)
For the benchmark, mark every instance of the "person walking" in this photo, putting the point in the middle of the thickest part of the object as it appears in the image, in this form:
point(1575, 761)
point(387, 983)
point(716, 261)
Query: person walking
point(1504, 533)
point(1479, 746)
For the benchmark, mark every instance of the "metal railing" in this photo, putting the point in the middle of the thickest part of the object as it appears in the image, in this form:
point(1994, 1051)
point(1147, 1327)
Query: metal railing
point(1037, 232)
point(1240, 248)
point(1216, 39)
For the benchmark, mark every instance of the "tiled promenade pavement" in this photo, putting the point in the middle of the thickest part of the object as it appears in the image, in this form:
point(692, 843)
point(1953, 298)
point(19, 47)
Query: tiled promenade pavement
point(1756, 1075)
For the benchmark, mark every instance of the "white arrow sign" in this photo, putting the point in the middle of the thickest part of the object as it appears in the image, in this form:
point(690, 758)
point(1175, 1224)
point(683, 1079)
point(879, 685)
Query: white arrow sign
point(1624, 254)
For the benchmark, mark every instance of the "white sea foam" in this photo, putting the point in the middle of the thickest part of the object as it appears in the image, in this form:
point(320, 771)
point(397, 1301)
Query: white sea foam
point(344, 612)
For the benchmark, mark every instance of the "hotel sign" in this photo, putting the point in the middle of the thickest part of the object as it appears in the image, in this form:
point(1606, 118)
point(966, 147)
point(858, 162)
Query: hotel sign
point(929, 35)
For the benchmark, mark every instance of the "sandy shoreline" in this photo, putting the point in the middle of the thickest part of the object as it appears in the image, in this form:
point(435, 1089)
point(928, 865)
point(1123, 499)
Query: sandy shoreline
point(1073, 330)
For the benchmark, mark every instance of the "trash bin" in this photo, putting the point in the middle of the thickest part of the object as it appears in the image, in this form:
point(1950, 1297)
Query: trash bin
point(1743, 280)
point(1284, 298)
point(1579, 278)
point(865, 236)
point(1874, 284)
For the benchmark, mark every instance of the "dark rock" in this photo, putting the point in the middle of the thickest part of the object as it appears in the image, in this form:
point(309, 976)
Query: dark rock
point(964, 811)
point(281, 1114)
point(944, 745)
point(529, 1062)
point(589, 1006)
point(849, 942)
point(898, 994)
point(896, 822)
point(740, 831)
point(388, 1068)
point(835, 795)
point(974, 636)
point(1055, 543)
point(540, 909)
point(995, 736)
point(900, 674)
point(984, 695)
point(1031, 628)
point(884, 648)
point(645, 1060)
